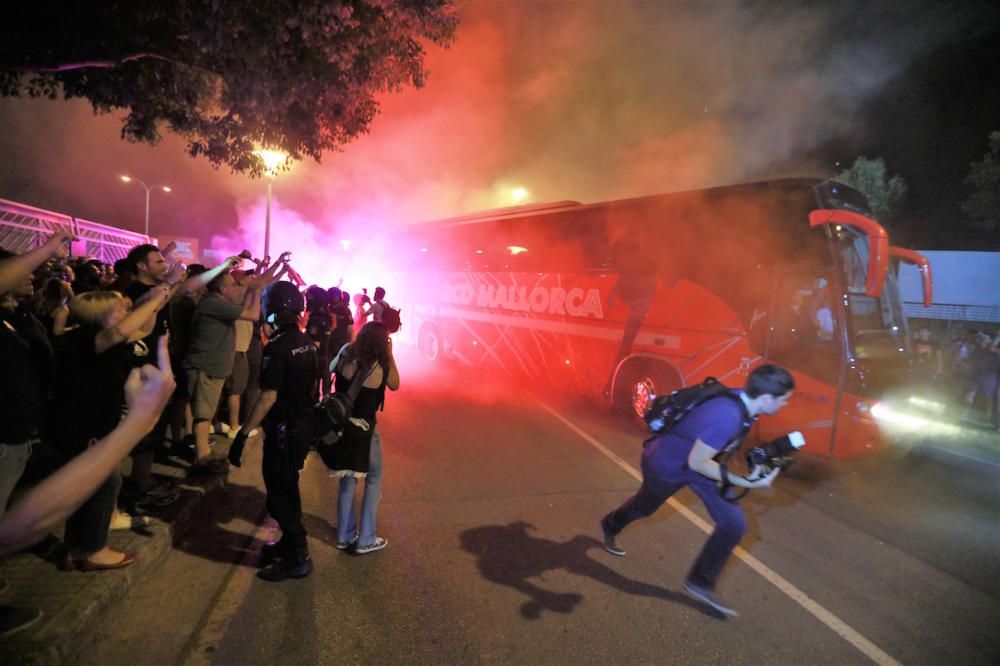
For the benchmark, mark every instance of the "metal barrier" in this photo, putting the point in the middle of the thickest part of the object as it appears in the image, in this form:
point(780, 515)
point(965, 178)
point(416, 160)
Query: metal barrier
point(24, 228)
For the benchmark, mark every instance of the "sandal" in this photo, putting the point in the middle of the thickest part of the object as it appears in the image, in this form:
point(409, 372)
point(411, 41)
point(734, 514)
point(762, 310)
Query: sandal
point(128, 559)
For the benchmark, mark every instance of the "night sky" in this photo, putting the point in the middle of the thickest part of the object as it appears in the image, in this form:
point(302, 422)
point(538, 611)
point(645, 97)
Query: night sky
point(586, 101)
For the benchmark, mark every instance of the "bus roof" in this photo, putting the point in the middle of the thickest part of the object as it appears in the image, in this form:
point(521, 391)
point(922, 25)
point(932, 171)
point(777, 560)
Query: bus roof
point(513, 212)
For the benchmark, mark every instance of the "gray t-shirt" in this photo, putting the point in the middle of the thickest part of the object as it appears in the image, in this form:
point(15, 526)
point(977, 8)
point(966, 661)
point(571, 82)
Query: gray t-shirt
point(213, 336)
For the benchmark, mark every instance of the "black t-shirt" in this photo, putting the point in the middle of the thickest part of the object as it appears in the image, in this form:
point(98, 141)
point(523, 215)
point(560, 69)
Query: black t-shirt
point(89, 392)
point(136, 290)
point(181, 317)
point(26, 359)
point(290, 366)
point(342, 320)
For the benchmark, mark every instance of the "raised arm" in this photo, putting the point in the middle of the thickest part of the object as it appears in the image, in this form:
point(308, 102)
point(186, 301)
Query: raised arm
point(193, 284)
point(131, 327)
point(14, 269)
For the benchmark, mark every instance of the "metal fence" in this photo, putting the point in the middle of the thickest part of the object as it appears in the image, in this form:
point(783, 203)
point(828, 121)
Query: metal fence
point(24, 228)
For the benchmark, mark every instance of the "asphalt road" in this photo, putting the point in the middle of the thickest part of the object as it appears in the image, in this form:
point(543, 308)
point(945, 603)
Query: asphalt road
point(491, 502)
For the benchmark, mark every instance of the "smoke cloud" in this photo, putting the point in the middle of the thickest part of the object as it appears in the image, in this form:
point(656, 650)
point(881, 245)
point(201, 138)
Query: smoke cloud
point(569, 100)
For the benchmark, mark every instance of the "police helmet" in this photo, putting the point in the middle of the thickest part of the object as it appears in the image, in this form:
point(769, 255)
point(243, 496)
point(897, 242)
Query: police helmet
point(282, 298)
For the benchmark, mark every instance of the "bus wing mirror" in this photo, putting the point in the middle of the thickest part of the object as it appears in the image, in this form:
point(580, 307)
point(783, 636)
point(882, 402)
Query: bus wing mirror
point(878, 243)
point(921, 262)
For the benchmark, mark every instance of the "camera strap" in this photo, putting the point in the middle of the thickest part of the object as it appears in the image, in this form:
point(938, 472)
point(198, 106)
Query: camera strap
point(726, 485)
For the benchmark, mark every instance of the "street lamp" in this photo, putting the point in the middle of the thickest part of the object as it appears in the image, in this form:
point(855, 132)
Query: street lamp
point(129, 179)
point(272, 159)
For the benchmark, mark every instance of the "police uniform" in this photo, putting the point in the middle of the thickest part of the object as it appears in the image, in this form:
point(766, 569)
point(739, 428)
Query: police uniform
point(290, 366)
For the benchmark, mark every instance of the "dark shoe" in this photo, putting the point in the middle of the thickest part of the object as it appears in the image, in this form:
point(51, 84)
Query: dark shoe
point(271, 551)
point(15, 619)
point(285, 569)
point(210, 467)
point(705, 596)
point(164, 494)
point(3, 585)
point(378, 544)
point(610, 543)
point(183, 449)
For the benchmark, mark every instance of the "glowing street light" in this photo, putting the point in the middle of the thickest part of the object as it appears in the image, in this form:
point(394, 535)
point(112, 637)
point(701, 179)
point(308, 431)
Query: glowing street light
point(519, 195)
point(129, 179)
point(272, 159)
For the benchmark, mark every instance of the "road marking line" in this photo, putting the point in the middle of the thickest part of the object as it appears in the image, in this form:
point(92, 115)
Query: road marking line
point(839, 627)
point(965, 455)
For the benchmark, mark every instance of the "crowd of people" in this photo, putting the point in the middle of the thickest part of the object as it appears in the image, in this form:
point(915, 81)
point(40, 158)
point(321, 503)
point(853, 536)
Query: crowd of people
point(146, 359)
point(964, 370)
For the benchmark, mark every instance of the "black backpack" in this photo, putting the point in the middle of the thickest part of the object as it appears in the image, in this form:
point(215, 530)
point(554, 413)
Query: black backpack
point(666, 411)
point(335, 409)
point(391, 318)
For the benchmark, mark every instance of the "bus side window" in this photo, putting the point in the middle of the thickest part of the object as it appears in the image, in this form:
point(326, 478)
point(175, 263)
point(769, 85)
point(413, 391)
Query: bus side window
point(804, 325)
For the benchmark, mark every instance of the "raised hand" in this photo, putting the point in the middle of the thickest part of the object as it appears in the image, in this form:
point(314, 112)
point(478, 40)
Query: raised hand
point(160, 291)
point(175, 274)
point(58, 243)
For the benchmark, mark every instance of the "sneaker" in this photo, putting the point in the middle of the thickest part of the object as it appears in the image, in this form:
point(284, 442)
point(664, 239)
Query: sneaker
point(125, 521)
point(706, 597)
point(610, 543)
point(164, 494)
point(344, 545)
point(14, 619)
point(211, 467)
point(378, 544)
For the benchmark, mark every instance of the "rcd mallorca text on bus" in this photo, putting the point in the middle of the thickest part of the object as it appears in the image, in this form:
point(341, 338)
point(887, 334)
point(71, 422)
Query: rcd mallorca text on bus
point(575, 302)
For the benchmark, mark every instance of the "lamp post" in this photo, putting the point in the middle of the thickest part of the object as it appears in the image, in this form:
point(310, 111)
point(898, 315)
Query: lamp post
point(129, 179)
point(272, 159)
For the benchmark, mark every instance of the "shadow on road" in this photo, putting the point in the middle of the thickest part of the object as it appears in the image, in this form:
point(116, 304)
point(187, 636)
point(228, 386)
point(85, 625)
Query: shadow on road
point(509, 556)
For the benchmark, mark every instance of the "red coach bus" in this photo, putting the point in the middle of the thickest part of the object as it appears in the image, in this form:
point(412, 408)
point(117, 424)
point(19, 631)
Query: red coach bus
point(631, 298)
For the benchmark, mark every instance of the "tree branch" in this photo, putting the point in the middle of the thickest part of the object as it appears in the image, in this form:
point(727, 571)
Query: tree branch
point(99, 64)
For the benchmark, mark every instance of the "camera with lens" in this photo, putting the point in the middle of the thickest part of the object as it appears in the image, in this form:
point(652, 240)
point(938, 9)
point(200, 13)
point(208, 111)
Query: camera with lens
point(776, 454)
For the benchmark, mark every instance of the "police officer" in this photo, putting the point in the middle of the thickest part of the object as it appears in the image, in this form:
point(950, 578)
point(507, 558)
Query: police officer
point(289, 385)
point(319, 325)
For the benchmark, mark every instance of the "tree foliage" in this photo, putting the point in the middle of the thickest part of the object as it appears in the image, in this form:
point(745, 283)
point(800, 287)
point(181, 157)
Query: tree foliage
point(983, 205)
point(885, 195)
point(299, 75)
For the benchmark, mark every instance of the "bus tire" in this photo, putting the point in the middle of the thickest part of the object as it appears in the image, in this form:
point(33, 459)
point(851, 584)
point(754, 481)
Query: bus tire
point(429, 342)
point(638, 381)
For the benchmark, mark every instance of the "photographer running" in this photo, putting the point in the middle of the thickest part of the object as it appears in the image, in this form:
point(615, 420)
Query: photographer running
point(289, 385)
point(686, 456)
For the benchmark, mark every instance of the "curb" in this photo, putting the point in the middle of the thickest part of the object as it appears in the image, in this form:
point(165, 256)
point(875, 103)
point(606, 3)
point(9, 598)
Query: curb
point(73, 602)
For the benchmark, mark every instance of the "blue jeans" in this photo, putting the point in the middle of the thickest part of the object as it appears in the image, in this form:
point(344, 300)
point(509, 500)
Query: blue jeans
point(657, 487)
point(347, 524)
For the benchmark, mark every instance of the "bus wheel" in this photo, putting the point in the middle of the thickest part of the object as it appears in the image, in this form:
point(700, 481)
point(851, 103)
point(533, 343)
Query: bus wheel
point(638, 384)
point(429, 343)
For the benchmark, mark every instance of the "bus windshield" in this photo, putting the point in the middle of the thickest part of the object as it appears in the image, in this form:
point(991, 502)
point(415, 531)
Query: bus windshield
point(875, 324)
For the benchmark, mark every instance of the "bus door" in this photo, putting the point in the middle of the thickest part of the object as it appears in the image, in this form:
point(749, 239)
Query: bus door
point(806, 337)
